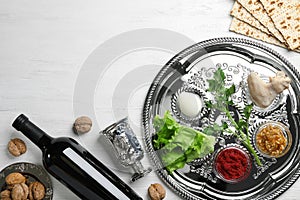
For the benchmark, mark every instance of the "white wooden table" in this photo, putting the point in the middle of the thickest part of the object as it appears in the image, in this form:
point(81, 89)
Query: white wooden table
point(46, 45)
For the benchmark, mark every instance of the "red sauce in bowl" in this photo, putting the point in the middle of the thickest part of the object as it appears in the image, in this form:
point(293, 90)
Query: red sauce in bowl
point(232, 164)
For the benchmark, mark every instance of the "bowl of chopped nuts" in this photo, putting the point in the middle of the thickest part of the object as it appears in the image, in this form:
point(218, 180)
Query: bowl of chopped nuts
point(25, 181)
point(273, 139)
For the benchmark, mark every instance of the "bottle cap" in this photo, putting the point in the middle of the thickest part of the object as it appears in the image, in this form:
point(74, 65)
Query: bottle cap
point(19, 121)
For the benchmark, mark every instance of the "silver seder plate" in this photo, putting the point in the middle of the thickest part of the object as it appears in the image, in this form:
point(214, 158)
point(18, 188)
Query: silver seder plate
point(189, 70)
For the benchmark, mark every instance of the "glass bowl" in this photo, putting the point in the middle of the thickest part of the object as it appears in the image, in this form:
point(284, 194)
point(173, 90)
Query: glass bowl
point(272, 139)
point(232, 164)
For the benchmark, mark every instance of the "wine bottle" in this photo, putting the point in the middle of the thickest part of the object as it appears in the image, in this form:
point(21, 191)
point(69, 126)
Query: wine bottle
point(74, 166)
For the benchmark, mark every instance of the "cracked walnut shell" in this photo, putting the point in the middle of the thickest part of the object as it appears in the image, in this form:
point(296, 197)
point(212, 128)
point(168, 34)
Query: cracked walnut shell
point(19, 192)
point(82, 124)
point(14, 178)
point(156, 191)
point(16, 147)
point(5, 194)
point(36, 191)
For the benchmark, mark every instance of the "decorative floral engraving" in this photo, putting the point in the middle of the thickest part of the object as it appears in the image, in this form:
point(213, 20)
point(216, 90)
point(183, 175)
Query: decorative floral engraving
point(262, 169)
point(204, 170)
point(234, 75)
point(255, 55)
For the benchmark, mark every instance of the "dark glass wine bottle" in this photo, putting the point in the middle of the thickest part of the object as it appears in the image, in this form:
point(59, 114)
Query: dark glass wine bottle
point(74, 166)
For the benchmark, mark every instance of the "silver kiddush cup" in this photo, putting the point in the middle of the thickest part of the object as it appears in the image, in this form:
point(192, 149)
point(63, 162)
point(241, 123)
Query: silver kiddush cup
point(127, 148)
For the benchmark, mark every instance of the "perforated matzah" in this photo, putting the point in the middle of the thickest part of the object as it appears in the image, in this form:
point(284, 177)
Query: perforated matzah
point(256, 8)
point(239, 12)
point(286, 16)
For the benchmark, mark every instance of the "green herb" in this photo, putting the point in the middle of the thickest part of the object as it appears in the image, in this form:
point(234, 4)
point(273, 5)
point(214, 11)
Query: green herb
point(222, 102)
point(177, 144)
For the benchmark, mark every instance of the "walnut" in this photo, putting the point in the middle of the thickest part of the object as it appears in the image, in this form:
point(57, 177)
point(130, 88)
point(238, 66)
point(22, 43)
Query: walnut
point(19, 192)
point(16, 147)
point(6, 198)
point(5, 195)
point(156, 191)
point(36, 191)
point(14, 178)
point(18, 188)
point(82, 125)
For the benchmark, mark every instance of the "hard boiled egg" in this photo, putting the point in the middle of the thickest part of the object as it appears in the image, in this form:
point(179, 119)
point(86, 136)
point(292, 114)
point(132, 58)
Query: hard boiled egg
point(189, 104)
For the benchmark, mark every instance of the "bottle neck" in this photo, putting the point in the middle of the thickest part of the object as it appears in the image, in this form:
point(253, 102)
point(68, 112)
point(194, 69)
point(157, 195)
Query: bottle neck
point(31, 131)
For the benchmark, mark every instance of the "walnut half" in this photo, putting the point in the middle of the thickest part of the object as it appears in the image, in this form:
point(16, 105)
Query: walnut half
point(16, 147)
point(36, 191)
point(82, 124)
point(14, 178)
point(156, 191)
point(5, 195)
point(19, 192)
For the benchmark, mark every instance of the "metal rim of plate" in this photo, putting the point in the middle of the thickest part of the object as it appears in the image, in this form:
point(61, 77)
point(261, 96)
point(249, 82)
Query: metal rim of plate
point(241, 48)
point(31, 171)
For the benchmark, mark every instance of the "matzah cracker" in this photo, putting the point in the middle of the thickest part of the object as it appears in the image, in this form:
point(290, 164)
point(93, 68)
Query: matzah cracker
point(277, 7)
point(243, 28)
point(257, 10)
point(286, 17)
point(239, 12)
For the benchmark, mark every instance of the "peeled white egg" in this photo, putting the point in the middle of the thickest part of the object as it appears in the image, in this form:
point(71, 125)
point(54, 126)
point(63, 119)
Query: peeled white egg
point(190, 104)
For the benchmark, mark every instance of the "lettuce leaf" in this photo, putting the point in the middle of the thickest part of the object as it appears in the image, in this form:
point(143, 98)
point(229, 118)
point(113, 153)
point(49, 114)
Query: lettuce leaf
point(177, 144)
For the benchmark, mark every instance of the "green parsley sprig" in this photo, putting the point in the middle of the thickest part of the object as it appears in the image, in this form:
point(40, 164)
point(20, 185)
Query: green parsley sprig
point(222, 102)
